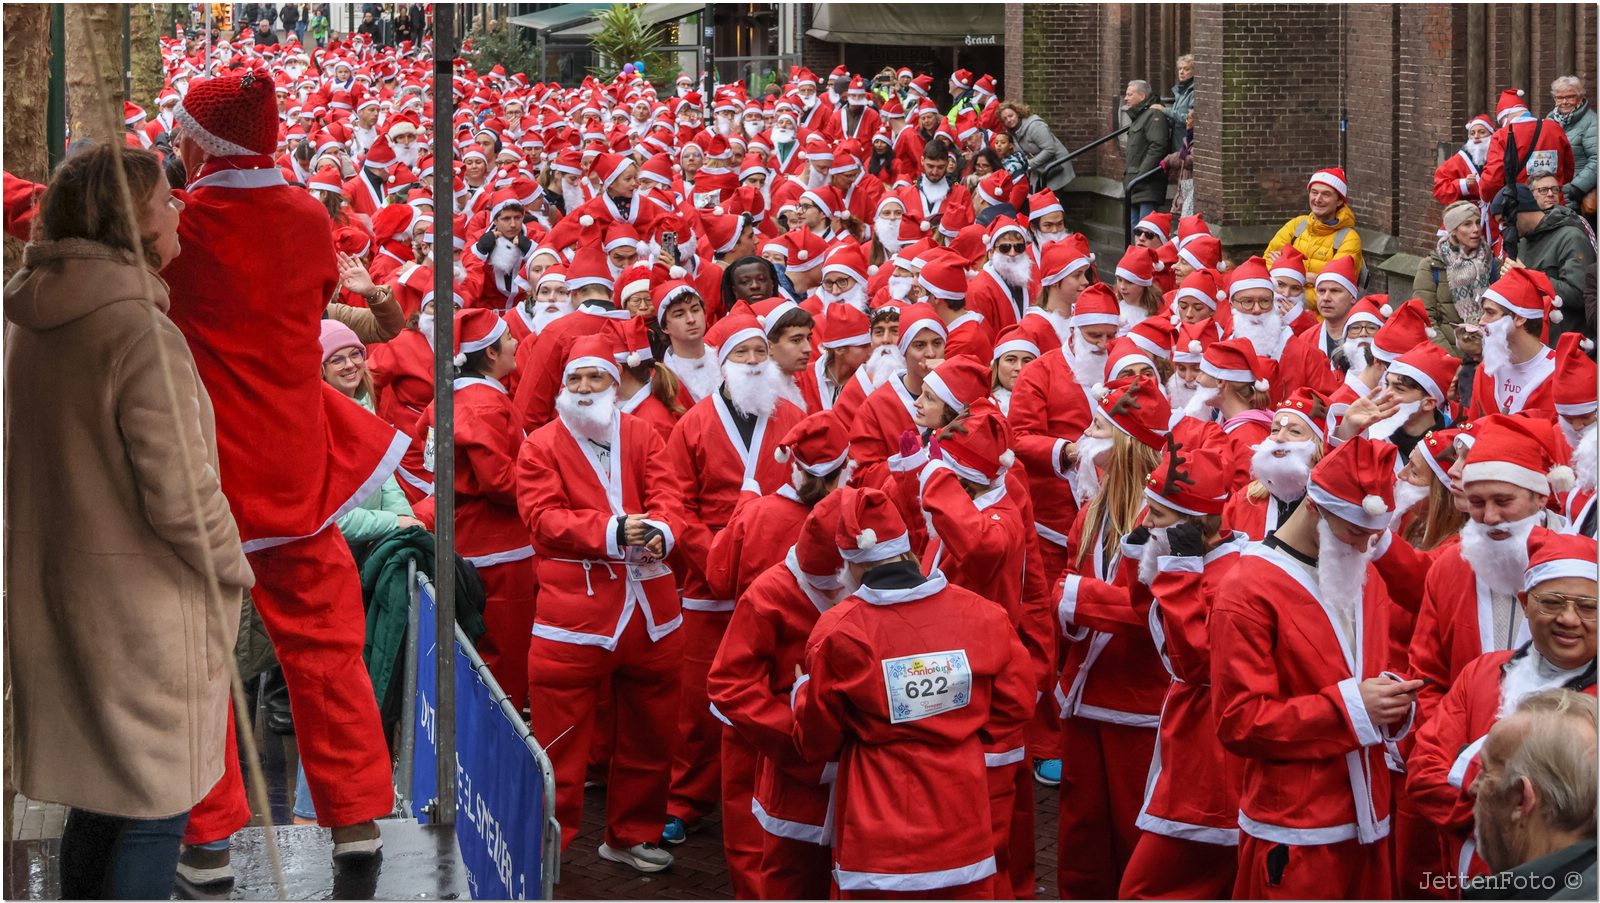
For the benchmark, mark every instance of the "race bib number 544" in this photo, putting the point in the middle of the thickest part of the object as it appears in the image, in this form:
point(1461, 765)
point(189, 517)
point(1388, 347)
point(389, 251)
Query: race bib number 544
point(927, 684)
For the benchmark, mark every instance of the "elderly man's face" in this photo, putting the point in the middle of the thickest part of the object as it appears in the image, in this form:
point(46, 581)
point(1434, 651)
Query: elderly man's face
point(1501, 818)
point(1561, 619)
point(1131, 95)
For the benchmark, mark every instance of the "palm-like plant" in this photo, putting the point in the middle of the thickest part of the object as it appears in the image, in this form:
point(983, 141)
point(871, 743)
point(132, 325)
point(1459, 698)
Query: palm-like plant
point(625, 38)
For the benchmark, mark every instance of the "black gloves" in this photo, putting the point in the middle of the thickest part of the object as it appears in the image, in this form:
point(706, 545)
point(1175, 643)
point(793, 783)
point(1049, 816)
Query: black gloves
point(1186, 539)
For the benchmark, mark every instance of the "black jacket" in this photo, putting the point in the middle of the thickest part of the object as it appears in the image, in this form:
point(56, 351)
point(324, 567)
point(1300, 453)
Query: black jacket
point(1148, 140)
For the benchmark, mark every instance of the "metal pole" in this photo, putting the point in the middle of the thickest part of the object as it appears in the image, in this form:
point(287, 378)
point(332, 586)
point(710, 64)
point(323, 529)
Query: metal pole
point(208, 40)
point(444, 413)
point(127, 55)
point(408, 702)
point(708, 33)
point(55, 116)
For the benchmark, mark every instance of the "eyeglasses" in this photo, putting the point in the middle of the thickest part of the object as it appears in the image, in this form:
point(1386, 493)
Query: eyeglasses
point(838, 284)
point(1253, 306)
point(1548, 189)
point(807, 205)
point(355, 356)
point(1554, 605)
point(1010, 249)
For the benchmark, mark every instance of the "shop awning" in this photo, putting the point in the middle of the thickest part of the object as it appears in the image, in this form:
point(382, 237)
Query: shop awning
point(910, 24)
point(563, 16)
point(651, 13)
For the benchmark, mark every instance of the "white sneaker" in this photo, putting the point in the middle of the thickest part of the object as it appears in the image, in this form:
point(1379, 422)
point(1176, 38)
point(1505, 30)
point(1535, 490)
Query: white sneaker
point(642, 857)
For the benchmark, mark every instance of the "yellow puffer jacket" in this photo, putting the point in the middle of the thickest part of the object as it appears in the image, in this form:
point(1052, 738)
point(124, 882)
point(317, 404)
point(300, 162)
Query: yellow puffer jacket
point(1315, 241)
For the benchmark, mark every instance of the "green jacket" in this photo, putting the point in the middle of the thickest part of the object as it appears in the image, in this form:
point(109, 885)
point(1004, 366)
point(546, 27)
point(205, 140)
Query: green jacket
point(378, 514)
point(1581, 135)
point(1559, 247)
point(1148, 142)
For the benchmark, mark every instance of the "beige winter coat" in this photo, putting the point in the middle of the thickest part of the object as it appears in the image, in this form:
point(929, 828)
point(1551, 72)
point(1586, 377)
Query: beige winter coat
point(118, 663)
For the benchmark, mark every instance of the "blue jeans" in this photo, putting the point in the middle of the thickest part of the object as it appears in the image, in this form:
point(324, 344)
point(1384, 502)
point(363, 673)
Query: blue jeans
point(303, 807)
point(1138, 212)
point(106, 857)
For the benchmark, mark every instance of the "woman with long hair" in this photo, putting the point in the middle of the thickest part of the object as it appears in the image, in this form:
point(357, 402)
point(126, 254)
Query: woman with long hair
point(646, 389)
point(1012, 352)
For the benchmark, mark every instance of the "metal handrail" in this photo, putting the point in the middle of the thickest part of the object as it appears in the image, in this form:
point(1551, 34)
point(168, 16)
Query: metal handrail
point(1127, 227)
point(1096, 143)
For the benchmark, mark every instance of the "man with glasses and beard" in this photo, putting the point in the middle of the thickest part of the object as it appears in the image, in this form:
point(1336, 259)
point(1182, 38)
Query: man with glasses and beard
point(1302, 691)
point(1517, 365)
point(1005, 286)
point(1256, 316)
point(1469, 605)
point(1281, 466)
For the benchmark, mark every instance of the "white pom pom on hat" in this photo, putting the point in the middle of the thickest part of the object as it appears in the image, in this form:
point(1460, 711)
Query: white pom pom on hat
point(677, 272)
point(781, 454)
point(633, 359)
point(1008, 458)
point(866, 539)
point(1374, 505)
point(1195, 346)
point(803, 254)
point(459, 360)
point(1222, 295)
point(1262, 385)
point(1562, 478)
point(1099, 391)
point(717, 211)
point(1387, 310)
point(926, 226)
point(586, 220)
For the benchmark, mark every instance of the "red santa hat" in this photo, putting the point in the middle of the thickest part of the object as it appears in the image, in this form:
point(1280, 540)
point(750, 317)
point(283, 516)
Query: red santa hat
point(1340, 271)
point(845, 325)
point(327, 178)
point(1522, 451)
point(634, 279)
point(978, 446)
point(609, 167)
point(806, 250)
point(1511, 105)
point(870, 527)
point(818, 444)
point(995, 188)
point(1249, 276)
point(553, 273)
point(1429, 366)
point(731, 331)
point(1123, 354)
point(352, 240)
point(1332, 177)
point(1193, 340)
point(1156, 336)
point(595, 350)
point(1290, 264)
point(1368, 310)
point(1013, 338)
point(381, 155)
point(846, 260)
point(1439, 450)
point(915, 318)
point(589, 267)
point(1310, 407)
point(1235, 361)
point(1575, 377)
point(722, 229)
point(944, 279)
point(1063, 258)
point(1200, 285)
point(1406, 328)
point(1042, 204)
point(959, 382)
point(1192, 481)
point(1138, 265)
point(476, 329)
point(770, 312)
point(1480, 119)
point(1135, 406)
point(1554, 556)
point(1191, 228)
point(131, 112)
point(1355, 483)
point(826, 199)
point(1527, 293)
point(816, 552)
point(1157, 224)
point(232, 115)
point(1096, 306)
point(1203, 252)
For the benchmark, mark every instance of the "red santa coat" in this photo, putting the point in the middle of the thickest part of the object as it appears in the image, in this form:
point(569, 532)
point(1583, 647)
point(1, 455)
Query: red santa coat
point(865, 127)
point(875, 430)
point(1048, 410)
point(649, 408)
point(851, 397)
point(1242, 433)
point(712, 466)
point(1255, 519)
point(757, 537)
point(989, 295)
point(541, 362)
point(1550, 151)
point(1285, 689)
point(569, 503)
point(1456, 180)
point(293, 453)
point(1304, 362)
point(364, 198)
point(487, 437)
point(1444, 762)
point(601, 211)
point(1454, 626)
point(1531, 389)
point(912, 780)
point(1044, 329)
point(402, 372)
point(969, 335)
point(923, 207)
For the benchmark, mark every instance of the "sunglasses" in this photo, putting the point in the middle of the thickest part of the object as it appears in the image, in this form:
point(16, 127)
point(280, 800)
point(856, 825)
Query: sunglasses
point(1010, 249)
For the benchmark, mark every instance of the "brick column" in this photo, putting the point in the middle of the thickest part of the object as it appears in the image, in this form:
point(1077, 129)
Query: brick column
point(1052, 65)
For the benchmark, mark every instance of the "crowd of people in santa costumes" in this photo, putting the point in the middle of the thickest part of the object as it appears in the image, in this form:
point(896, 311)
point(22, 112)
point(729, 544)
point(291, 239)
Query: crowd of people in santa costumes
point(809, 486)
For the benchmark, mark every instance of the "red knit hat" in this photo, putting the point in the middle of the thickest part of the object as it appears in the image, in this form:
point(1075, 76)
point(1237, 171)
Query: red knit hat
point(1341, 271)
point(978, 447)
point(959, 382)
point(1310, 406)
point(818, 444)
point(870, 528)
point(1137, 265)
point(1096, 306)
point(1235, 361)
point(1522, 451)
point(1575, 376)
point(476, 329)
point(1355, 483)
point(845, 325)
point(594, 350)
point(1406, 327)
point(1192, 481)
point(1552, 556)
point(731, 331)
point(232, 115)
point(816, 551)
point(1137, 407)
point(1429, 366)
point(914, 318)
point(1156, 336)
point(1332, 177)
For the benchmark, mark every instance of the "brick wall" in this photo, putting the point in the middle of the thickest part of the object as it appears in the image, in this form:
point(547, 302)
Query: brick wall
point(1059, 80)
point(1432, 110)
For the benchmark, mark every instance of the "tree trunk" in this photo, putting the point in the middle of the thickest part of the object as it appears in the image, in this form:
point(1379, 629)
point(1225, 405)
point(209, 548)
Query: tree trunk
point(94, 72)
point(145, 30)
point(26, 56)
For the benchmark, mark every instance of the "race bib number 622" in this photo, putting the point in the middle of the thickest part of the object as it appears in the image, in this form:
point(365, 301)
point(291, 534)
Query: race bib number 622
point(927, 684)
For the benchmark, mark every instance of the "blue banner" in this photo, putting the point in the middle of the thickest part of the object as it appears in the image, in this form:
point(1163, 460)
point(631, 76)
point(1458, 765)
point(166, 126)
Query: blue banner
point(425, 769)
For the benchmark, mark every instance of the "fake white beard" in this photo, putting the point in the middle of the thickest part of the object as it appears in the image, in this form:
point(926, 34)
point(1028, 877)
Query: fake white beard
point(724, 125)
point(752, 127)
point(1180, 391)
point(1158, 545)
point(1130, 315)
point(505, 257)
point(543, 315)
point(425, 326)
point(783, 136)
point(1526, 676)
point(887, 232)
point(572, 195)
point(1285, 477)
point(1088, 362)
point(1478, 150)
point(808, 100)
point(754, 389)
point(1341, 572)
point(408, 153)
point(1200, 404)
point(1061, 324)
point(1583, 455)
point(1358, 354)
point(884, 362)
point(589, 415)
point(900, 286)
point(1386, 427)
point(1498, 563)
point(1015, 269)
point(790, 390)
point(460, 271)
point(1049, 238)
point(1497, 345)
point(1088, 476)
point(1262, 330)
point(856, 297)
point(1407, 495)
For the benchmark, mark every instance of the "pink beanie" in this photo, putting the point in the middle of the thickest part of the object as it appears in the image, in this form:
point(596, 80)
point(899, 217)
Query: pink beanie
point(335, 336)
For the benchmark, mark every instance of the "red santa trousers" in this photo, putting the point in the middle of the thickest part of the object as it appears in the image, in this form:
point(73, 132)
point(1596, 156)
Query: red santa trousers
point(1170, 868)
point(741, 833)
point(1103, 772)
point(509, 590)
point(564, 682)
point(605, 727)
point(1021, 864)
point(308, 594)
point(1419, 849)
point(1044, 731)
point(696, 769)
point(977, 890)
point(1339, 871)
point(794, 869)
point(1002, 819)
point(226, 808)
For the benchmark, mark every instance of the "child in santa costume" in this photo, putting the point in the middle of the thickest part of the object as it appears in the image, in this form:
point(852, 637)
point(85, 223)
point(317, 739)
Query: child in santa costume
point(1558, 599)
point(1302, 690)
point(901, 684)
point(281, 469)
point(595, 492)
